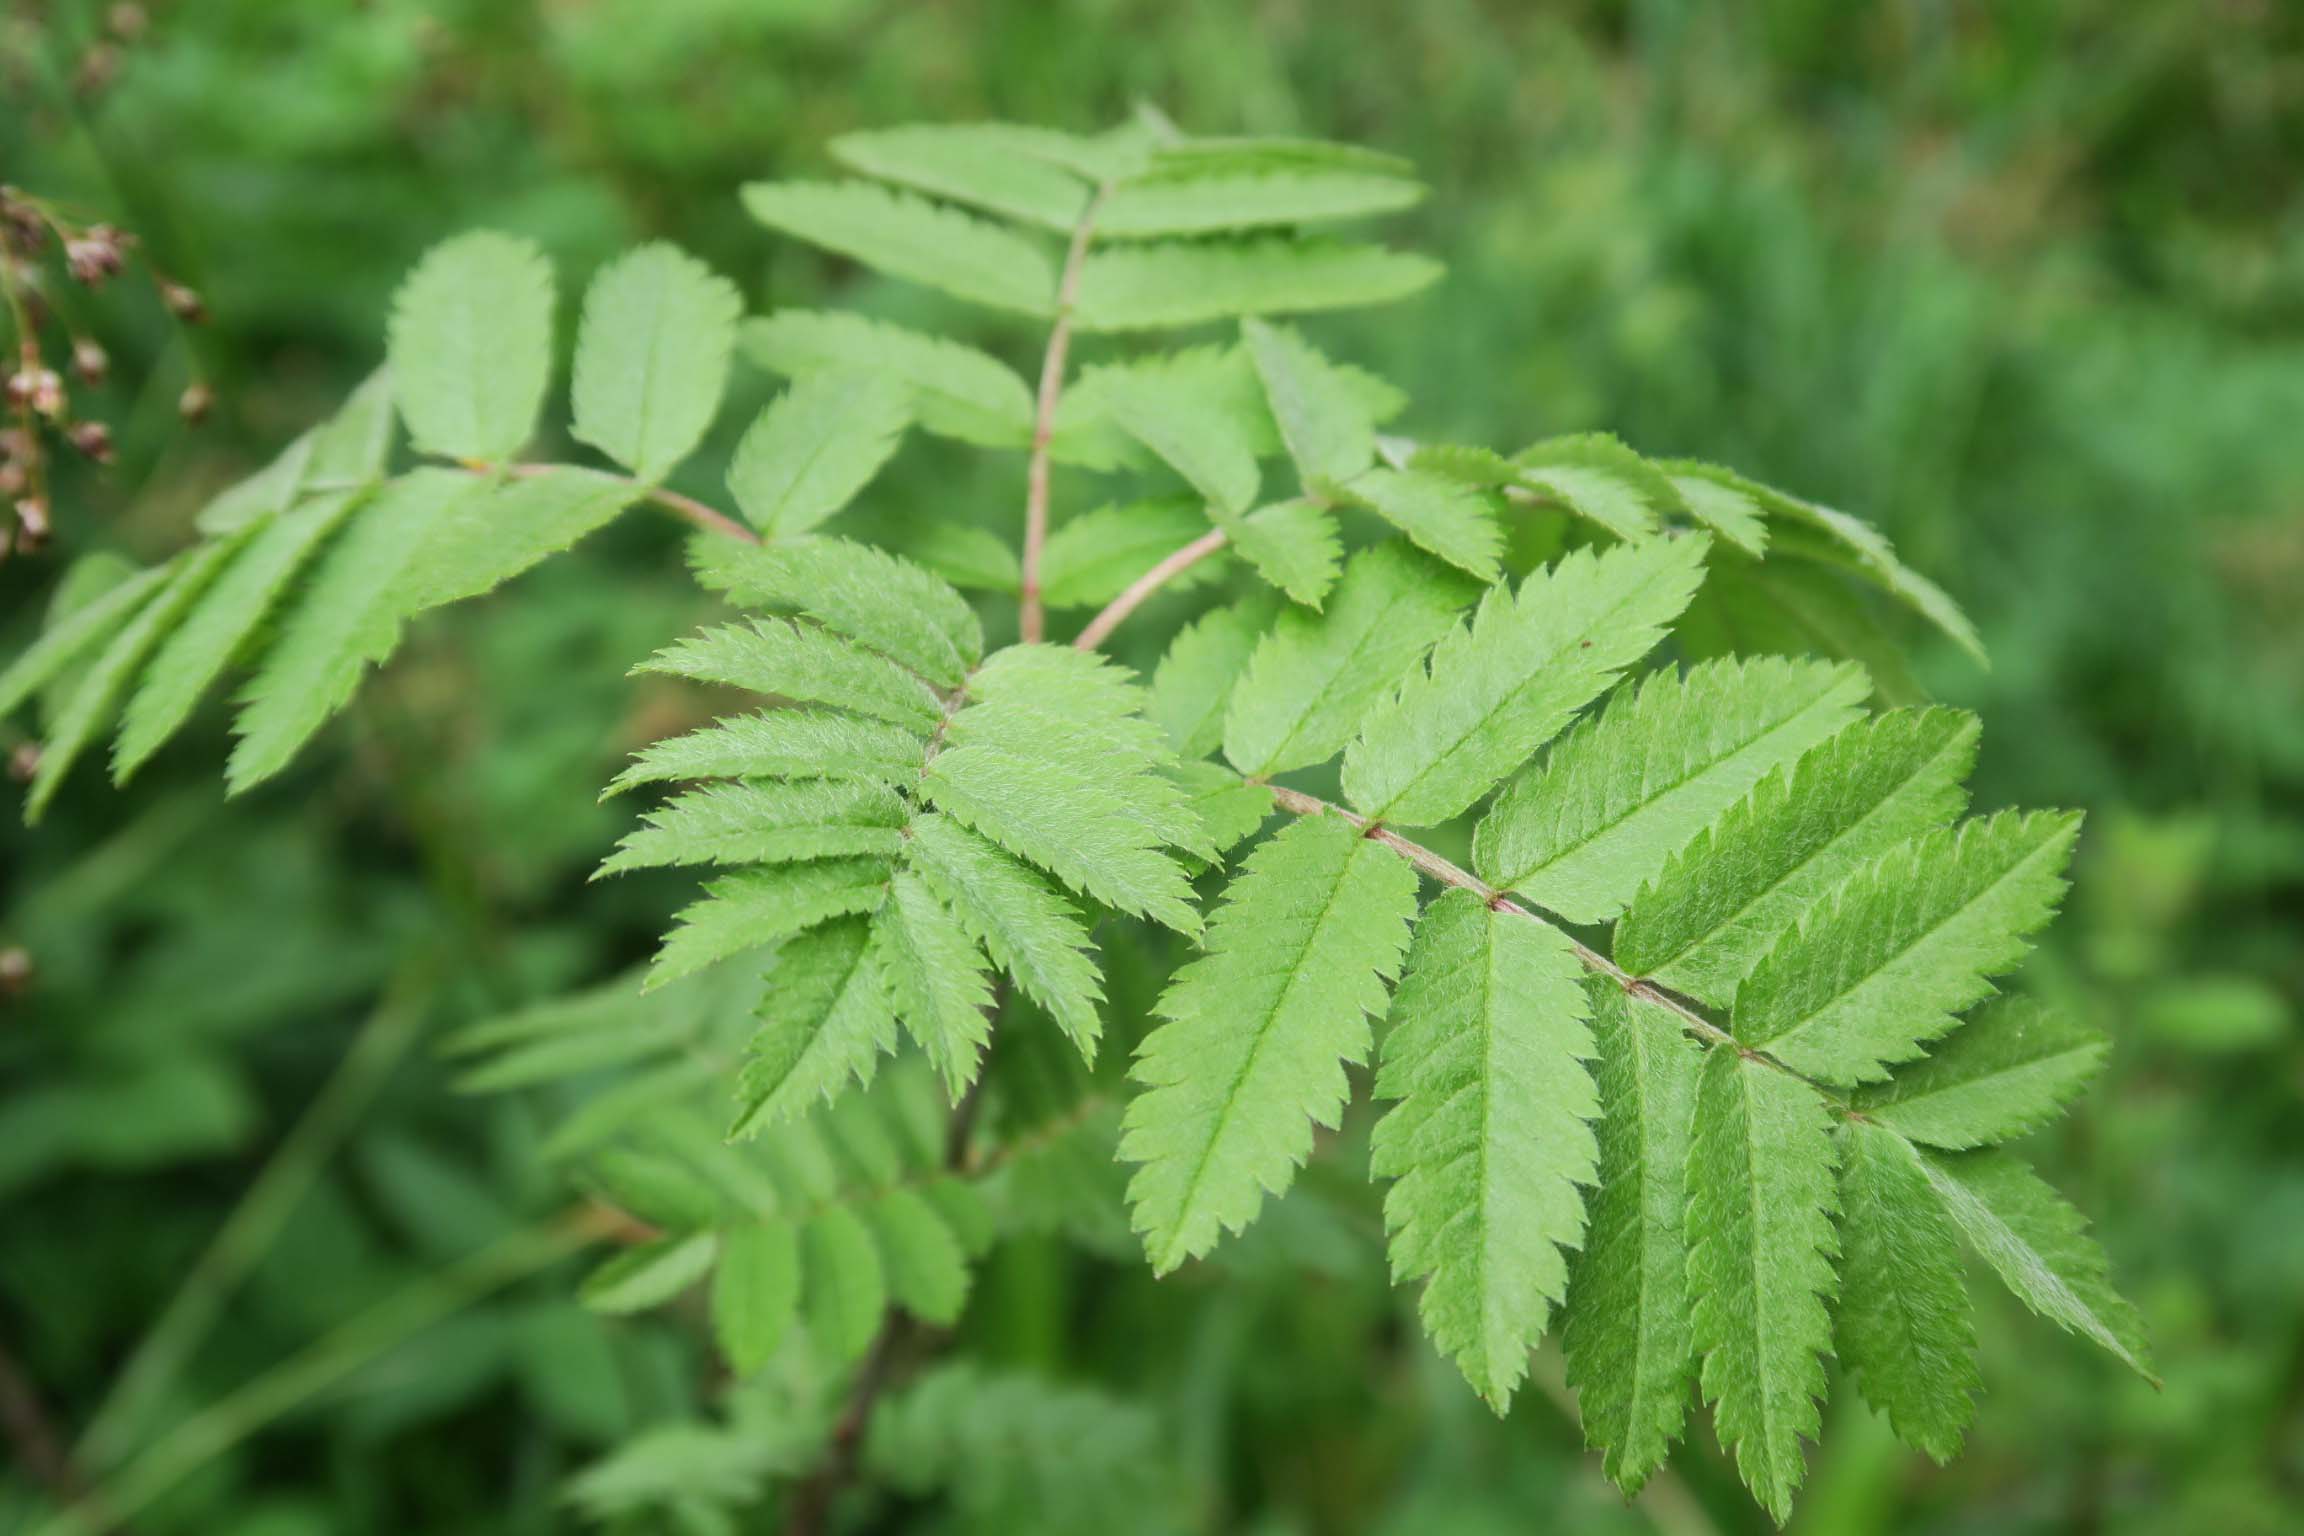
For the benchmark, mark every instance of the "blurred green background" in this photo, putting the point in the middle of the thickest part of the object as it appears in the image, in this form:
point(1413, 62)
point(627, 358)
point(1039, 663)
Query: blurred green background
point(2022, 282)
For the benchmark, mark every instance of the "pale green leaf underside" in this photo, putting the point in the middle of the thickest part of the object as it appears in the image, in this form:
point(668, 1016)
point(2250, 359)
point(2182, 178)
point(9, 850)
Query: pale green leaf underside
point(1258, 1029)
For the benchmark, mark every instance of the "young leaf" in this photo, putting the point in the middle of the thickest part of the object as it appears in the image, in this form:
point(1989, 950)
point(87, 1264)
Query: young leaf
point(1625, 789)
point(825, 1022)
point(1439, 515)
point(1904, 1330)
point(220, 624)
point(754, 908)
point(1721, 902)
point(983, 164)
point(1153, 287)
point(912, 239)
point(1194, 681)
point(755, 1293)
point(1626, 1329)
point(815, 447)
point(1501, 688)
point(804, 663)
point(652, 357)
point(1291, 544)
point(2040, 1246)
point(2009, 1070)
point(1050, 760)
point(956, 391)
point(349, 617)
point(470, 347)
point(1880, 967)
point(1315, 675)
point(936, 978)
point(1760, 1247)
point(1321, 419)
point(1023, 922)
point(781, 744)
point(1489, 1142)
point(1258, 1030)
point(905, 613)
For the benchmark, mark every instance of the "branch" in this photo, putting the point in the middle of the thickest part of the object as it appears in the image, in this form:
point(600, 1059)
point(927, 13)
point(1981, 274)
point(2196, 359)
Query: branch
point(1145, 585)
point(686, 508)
point(1031, 621)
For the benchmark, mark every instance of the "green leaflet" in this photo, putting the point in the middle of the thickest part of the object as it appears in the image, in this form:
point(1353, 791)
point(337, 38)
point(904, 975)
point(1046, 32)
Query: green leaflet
point(841, 1277)
point(781, 744)
point(1880, 967)
point(2040, 1246)
point(956, 391)
point(89, 705)
point(652, 357)
point(752, 823)
point(825, 1021)
point(71, 635)
point(1596, 477)
point(1049, 759)
point(478, 542)
point(802, 663)
point(348, 617)
point(755, 1293)
point(888, 603)
point(470, 346)
point(1093, 557)
point(1761, 1198)
point(648, 1275)
point(1439, 515)
point(1314, 677)
point(1291, 544)
point(1328, 431)
point(1489, 1143)
point(1189, 430)
point(1722, 901)
point(1624, 790)
point(1194, 681)
point(1026, 924)
point(935, 977)
point(1184, 195)
point(1258, 1030)
point(1904, 1329)
point(912, 239)
point(757, 907)
point(1626, 1330)
point(1857, 546)
point(1500, 688)
point(1723, 501)
point(219, 624)
point(921, 1256)
point(983, 164)
point(816, 446)
point(1229, 808)
point(1150, 287)
point(2009, 1070)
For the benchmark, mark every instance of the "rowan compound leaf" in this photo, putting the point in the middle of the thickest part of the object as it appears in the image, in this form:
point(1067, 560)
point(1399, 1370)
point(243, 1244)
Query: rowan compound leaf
point(1625, 789)
point(910, 238)
point(1761, 1198)
point(2040, 1246)
point(1314, 676)
point(652, 357)
point(825, 1021)
point(1258, 1030)
point(1626, 1329)
point(816, 447)
point(1721, 902)
point(2009, 1070)
point(470, 348)
point(1904, 1330)
point(1489, 1143)
point(1498, 689)
point(1878, 969)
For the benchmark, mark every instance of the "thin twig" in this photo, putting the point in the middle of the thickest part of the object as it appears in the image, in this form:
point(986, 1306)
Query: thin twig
point(1145, 585)
point(686, 508)
point(32, 1434)
point(1031, 620)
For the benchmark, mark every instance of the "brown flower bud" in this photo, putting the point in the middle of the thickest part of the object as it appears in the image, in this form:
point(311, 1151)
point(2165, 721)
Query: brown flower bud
point(24, 761)
point(90, 362)
point(195, 404)
point(127, 22)
point(15, 972)
point(37, 387)
point(15, 478)
point(92, 438)
point(31, 524)
point(98, 68)
point(183, 303)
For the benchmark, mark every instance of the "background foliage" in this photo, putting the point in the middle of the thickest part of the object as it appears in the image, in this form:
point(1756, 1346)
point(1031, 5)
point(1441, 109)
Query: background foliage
point(2024, 285)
